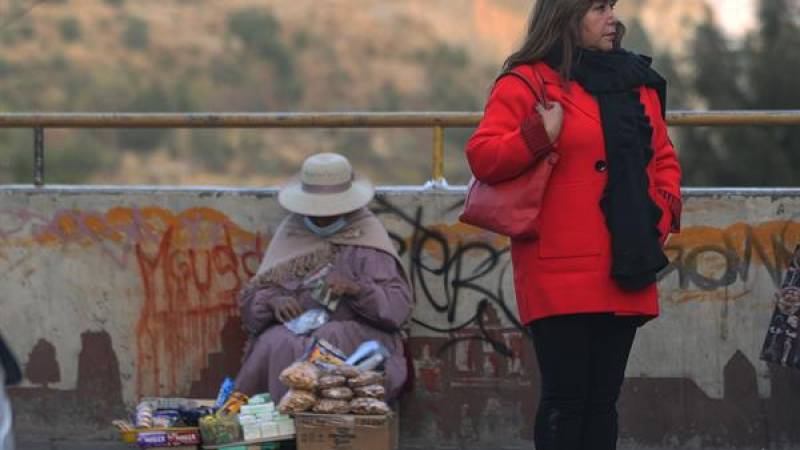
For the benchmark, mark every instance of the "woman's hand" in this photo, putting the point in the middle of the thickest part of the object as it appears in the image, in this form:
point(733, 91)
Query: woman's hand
point(286, 309)
point(553, 119)
point(342, 285)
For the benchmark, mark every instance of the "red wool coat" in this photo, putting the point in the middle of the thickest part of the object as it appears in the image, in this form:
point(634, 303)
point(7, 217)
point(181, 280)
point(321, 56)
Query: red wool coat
point(567, 270)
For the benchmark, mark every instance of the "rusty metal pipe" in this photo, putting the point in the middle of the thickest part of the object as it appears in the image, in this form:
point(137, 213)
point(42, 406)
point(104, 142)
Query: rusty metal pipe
point(347, 120)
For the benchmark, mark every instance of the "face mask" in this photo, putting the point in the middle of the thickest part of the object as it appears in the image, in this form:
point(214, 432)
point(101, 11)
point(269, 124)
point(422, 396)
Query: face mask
point(325, 231)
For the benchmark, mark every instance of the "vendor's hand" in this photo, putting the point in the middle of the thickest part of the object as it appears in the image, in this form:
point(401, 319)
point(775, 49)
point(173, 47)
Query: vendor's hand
point(342, 285)
point(286, 309)
point(553, 119)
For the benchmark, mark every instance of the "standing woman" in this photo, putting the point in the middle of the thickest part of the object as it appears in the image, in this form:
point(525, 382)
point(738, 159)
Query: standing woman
point(589, 281)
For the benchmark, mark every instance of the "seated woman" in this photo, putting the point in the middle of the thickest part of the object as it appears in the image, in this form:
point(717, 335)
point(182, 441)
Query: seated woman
point(332, 253)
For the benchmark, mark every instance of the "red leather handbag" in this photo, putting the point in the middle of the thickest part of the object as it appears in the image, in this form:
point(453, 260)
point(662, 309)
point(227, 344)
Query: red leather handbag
point(512, 207)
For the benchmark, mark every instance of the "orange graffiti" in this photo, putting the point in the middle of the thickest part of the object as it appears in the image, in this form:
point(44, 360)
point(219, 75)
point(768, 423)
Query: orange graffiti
point(192, 264)
point(766, 238)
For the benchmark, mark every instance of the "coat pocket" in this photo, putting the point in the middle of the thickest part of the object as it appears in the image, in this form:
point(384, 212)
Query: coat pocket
point(572, 223)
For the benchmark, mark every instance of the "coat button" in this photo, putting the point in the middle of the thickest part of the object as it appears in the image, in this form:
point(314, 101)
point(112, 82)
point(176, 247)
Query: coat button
point(600, 166)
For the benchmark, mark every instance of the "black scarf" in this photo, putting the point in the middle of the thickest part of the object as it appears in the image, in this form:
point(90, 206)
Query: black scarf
point(632, 217)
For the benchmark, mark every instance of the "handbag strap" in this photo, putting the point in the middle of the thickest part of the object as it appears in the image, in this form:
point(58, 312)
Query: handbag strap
point(539, 94)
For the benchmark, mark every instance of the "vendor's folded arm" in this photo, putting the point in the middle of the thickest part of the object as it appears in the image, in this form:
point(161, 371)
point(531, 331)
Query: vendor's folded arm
point(255, 308)
point(385, 299)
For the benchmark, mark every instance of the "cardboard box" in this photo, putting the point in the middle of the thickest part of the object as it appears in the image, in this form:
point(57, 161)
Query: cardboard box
point(346, 432)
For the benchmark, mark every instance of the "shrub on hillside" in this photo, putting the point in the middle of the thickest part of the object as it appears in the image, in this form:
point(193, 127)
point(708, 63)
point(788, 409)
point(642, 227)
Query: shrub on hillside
point(17, 32)
point(137, 34)
point(70, 29)
point(153, 99)
point(260, 32)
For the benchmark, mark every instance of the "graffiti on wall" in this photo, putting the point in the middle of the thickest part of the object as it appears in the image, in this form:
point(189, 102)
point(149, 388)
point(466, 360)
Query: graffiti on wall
point(191, 263)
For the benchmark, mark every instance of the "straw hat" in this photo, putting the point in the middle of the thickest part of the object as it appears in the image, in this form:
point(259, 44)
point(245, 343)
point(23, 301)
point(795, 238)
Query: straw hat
point(326, 186)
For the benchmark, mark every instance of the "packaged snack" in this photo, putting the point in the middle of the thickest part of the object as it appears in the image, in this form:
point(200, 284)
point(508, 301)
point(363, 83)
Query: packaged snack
point(191, 416)
point(123, 425)
point(331, 381)
point(373, 362)
point(308, 321)
point(323, 352)
point(371, 391)
point(218, 430)
point(301, 375)
point(166, 418)
point(337, 393)
point(260, 399)
point(346, 371)
point(168, 438)
point(365, 379)
point(369, 407)
point(234, 404)
point(296, 401)
point(144, 415)
point(330, 406)
point(364, 351)
point(225, 390)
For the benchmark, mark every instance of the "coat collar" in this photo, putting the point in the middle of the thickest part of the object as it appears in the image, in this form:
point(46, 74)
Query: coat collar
point(576, 96)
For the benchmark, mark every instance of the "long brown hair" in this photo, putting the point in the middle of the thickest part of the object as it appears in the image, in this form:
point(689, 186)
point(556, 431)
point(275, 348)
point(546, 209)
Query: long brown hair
point(555, 21)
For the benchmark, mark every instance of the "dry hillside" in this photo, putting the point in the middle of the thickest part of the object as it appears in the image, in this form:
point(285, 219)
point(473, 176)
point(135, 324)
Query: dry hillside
point(258, 55)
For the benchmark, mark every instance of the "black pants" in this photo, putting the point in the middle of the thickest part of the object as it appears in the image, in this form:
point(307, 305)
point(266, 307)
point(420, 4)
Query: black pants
point(582, 360)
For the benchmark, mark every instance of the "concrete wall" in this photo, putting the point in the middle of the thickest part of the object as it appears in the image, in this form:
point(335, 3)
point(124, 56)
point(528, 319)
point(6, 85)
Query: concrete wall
point(107, 295)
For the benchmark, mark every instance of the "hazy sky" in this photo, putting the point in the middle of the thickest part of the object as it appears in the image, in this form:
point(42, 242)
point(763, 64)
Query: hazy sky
point(736, 16)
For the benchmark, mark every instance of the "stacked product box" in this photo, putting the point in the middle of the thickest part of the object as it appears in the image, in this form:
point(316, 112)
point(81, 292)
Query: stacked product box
point(260, 420)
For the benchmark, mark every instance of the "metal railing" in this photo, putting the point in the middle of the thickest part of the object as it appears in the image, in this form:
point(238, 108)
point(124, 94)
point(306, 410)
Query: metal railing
point(437, 121)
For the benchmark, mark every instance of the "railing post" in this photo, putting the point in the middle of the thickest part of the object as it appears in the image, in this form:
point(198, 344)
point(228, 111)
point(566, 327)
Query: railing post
point(437, 170)
point(38, 156)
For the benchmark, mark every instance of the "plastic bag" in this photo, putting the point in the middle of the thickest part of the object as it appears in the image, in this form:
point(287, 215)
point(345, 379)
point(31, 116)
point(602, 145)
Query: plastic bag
point(297, 401)
point(331, 381)
point(369, 407)
point(329, 406)
point(365, 379)
point(308, 321)
point(301, 375)
point(371, 391)
point(337, 393)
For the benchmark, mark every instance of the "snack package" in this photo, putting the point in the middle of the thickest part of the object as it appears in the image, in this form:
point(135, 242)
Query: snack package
point(144, 415)
point(345, 371)
point(365, 379)
point(225, 391)
point(369, 407)
point(301, 375)
point(323, 352)
point(308, 321)
point(191, 416)
point(331, 381)
point(337, 393)
point(297, 401)
point(166, 418)
point(371, 391)
point(234, 404)
point(330, 406)
point(217, 430)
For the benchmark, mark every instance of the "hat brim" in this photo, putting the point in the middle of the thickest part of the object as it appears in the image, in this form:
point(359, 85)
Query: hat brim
point(292, 198)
